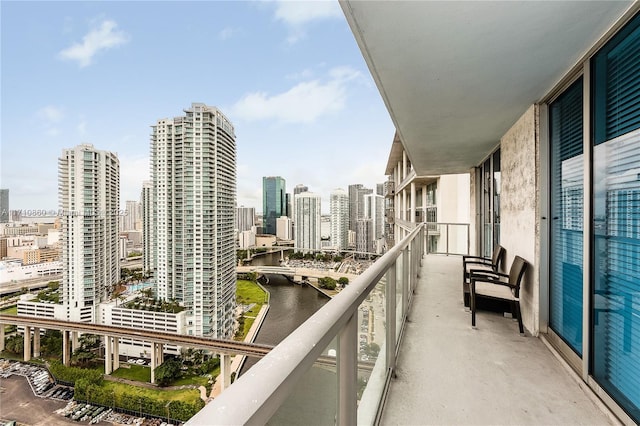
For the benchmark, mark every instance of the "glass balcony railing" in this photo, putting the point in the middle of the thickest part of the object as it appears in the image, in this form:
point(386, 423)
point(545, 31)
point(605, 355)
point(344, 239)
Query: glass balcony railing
point(345, 352)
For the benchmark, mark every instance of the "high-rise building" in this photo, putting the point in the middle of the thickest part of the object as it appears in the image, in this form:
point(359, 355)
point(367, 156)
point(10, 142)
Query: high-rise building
point(193, 160)
point(374, 210)
point(299, 189)
point(148, 243)
point(380, 189)
point(356, 204)
point(89, 200)
point(283, 228)
point(4, 205)
point(131, 215)
point(307, 230)
point(245, 218)
point(339, 210)
point(274, 202)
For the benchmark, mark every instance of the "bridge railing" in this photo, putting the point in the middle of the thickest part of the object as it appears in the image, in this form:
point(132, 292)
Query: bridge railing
point(363, 323)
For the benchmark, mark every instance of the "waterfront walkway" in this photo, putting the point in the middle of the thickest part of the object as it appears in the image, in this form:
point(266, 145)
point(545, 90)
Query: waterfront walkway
point(238, 360)
point(451, 374)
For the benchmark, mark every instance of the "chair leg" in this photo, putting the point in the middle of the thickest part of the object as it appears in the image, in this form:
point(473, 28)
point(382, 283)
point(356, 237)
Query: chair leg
point(472, 304)
point(519, 315)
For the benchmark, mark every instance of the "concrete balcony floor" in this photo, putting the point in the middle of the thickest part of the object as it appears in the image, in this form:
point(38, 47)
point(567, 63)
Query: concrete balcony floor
point(451, 374)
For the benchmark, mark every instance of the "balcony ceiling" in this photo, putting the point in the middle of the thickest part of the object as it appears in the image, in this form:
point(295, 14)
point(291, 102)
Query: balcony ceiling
point(455, 76)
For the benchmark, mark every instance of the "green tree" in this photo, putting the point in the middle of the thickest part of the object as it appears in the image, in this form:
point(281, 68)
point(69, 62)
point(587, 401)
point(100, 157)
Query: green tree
point(343, 281)
point(14, 344)
point(168, 371)
point(327, 283)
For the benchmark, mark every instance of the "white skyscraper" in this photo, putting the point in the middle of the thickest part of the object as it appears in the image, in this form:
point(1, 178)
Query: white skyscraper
point(131, 215)
point(339, 210)
point(307, 230)
point(148, 243)
point(89, 197)
point(283, 228)
point(193, 160)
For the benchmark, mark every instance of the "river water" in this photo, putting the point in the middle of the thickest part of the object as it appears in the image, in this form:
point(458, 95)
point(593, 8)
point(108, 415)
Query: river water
point(313, 402)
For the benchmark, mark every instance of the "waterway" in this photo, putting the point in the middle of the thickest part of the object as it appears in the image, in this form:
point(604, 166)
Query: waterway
point(313, 402)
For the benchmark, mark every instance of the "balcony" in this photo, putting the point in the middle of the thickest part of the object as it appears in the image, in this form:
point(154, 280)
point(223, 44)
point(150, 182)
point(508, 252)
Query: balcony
point(445, 371)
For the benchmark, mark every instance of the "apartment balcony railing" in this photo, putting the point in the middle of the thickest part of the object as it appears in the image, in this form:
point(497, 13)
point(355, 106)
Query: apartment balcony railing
point(447, 238)
point(371, 309)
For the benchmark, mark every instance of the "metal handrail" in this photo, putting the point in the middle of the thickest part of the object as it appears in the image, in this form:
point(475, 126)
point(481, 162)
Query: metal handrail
point(256, 396)
point(433, 229)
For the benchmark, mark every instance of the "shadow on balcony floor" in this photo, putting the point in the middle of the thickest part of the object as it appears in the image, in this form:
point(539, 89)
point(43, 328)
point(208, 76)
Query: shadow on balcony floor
point(449, 373)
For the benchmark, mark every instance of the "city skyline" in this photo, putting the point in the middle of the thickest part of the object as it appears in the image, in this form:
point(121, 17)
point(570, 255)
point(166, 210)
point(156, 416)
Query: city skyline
point(293, 83)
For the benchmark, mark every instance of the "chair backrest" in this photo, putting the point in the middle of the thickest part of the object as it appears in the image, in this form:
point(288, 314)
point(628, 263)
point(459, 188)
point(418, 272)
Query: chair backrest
point(518, 267)
point(498, 256)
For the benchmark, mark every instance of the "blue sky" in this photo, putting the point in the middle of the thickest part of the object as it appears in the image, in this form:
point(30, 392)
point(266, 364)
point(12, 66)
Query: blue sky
point(288, 74)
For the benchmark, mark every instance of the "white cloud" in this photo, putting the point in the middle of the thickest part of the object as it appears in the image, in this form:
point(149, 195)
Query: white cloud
point(300, 12)
point(228, 32)
point(106, 36)
point(51, 114)
point(297, 14)
point(303, 103)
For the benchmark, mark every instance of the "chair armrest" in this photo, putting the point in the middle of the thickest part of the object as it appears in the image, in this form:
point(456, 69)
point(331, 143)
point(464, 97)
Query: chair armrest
point(466, 256)
point(486, 275)
point(478, 262)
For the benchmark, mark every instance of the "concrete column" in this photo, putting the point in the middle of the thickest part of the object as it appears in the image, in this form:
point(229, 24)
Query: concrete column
point(403, 207)
point(160, 353)
point(225, 370)
point(404, 164)
point(108, 365)
point(27, 343)
point(116, 353)
point(412, 208)
point(36, 342)
point(65, 348)
point(424, 201)
point(2, 337)
point(154, 359)
point(74, 341)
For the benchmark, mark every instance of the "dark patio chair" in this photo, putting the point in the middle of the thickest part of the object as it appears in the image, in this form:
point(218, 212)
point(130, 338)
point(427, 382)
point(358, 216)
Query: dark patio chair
point(477, 262)
point(499, 286)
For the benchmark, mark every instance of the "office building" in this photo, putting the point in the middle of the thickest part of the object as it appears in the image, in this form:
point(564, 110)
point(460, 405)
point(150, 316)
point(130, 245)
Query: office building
point(274, 202)
point(193, 160)
point(307, 230)
point(89, 200)
point(4, 206)
point(339, 211)
point(374, 210)
point(245, 218)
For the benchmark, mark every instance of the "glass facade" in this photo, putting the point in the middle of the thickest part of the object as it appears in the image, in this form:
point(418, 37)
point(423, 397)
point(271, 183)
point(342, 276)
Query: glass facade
point(615, 104)
point(274, 202)
point(490, 204)
point(567, 213)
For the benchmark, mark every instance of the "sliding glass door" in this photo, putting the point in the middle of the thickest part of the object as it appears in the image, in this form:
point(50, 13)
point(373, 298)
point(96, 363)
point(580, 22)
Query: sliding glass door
point(567, 215)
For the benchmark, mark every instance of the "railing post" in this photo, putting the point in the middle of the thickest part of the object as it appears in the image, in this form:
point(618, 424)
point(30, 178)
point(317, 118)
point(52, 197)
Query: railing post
point(405, 282)
point(447, 239)
point(391, 317)
point(348, 373)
